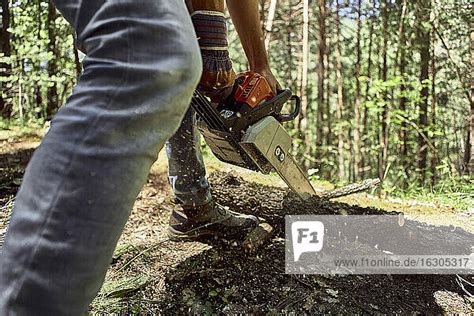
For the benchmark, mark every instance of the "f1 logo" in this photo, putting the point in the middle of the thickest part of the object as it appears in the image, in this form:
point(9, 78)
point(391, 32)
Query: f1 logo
point(307, 236)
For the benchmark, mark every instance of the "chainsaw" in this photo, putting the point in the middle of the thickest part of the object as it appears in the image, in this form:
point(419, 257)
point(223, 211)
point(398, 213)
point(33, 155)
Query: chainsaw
point(246, 130)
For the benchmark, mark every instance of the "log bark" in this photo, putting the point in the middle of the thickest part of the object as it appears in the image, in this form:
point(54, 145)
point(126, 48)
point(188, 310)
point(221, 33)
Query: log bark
point(351, 189)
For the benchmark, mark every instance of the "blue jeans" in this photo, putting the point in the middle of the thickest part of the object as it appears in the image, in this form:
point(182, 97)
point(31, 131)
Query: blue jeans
point(186, 170)
point(142, 66)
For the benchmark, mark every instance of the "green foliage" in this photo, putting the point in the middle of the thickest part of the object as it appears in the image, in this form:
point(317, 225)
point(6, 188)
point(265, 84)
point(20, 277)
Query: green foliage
point(31, 77)
point(454, 191)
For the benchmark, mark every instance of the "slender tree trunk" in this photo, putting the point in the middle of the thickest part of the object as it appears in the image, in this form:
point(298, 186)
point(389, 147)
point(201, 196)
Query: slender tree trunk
point(401, 60)
point(434, 158)
point(469, 152)
point(52, 102)
point(6, 106)
point(321, 69)
point(364, 158)
point(299, 82)
point(304, 82)
point(378, 64)
point(356, 138)
point(298, 149)
point(423, 36)
point(269, 24)
point(327, 99)
point(289, 46)
point(385, 110)
point(38, 96)
point(340, 101)
point(262, 14)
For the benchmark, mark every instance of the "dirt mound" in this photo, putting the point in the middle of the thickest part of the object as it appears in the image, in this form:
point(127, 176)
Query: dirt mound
point(224, 279)
point(218, 277)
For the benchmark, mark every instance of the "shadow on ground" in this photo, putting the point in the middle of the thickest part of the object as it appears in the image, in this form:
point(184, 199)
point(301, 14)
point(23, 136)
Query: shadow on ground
point(12, 167)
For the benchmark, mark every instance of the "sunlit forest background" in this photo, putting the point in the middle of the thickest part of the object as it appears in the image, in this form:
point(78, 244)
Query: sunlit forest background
point(385, 85)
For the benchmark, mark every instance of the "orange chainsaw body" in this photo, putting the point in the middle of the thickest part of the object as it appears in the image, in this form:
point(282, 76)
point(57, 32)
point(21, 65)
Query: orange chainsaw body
point(252, 89)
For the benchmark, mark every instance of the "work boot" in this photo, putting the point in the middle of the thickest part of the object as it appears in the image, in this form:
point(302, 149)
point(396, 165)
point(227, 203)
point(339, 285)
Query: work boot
point(189, 223)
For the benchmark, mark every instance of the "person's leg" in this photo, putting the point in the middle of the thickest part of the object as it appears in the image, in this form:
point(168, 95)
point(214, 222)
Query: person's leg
point(186, 170)
point(141, 67)
point(196, 213)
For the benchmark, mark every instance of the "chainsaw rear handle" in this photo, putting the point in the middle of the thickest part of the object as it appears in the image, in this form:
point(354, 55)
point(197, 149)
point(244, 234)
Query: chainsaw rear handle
point(295, 113)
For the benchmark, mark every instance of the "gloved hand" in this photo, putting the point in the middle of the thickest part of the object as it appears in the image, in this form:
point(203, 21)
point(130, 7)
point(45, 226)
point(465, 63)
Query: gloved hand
point(218, 75)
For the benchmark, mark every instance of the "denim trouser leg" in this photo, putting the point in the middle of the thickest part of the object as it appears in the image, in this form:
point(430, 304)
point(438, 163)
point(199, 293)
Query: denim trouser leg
point(187, 174)
point(142, 65)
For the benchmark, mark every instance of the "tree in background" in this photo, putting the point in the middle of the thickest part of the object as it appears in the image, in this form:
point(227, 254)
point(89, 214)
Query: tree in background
point(52, 101)
point(357, 109)
point(423, 40)
point(340, 99)
point(469, 152)
point(5, 69)
point(384, 83)
point(320, 73)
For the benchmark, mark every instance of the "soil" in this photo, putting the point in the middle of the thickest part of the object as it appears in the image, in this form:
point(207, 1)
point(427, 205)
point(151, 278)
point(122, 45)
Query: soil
point(216, 276)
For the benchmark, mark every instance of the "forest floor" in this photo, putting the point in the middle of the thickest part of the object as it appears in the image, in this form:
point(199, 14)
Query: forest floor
point(150, 274)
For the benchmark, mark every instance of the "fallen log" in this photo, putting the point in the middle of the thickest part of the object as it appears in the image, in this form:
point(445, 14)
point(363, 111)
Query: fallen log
point(350, 189)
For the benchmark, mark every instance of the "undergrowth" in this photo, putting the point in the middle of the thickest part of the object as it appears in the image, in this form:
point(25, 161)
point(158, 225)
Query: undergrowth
point(456, 192)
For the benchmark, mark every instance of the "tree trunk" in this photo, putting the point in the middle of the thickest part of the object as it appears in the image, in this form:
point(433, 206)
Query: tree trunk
point(304, 83)
point(434, 158)
point(5, 69)
point(269, 24)
point(321, 69)
point(423, 37)
point(402, 103)
point(364, 158)
point(469, 152)
point(327, 62)
point(356, 138)
point(385, 110)
point(38, 95)
point(299, 83)
point(290, 81)
point(262, 14)
point(340, 101)
point(52, 102)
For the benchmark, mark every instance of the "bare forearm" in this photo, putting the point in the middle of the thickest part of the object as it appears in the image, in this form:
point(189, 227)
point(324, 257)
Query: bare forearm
point(212, 5)
point(246, 18)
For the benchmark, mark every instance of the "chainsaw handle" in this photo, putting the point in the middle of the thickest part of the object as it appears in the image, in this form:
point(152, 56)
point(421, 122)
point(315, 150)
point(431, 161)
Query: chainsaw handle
point(296, 112)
